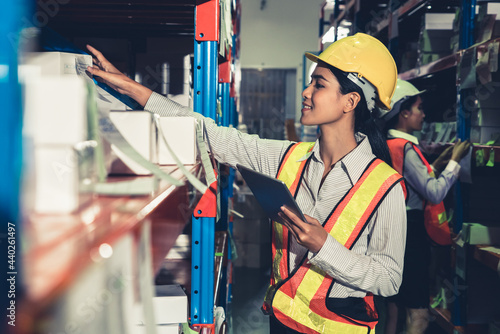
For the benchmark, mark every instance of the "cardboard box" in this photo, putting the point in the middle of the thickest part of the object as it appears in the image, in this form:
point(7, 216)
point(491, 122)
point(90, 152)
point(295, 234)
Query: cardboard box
point(181, 249)
point(439, 21)
point(484, 134)
point(160, 329)
point(55, 110)
point(488, 96)
point(436, 41)
point(180, 134)
point(478, 234)
point(63, 178)
point(57, 63)
point(139, 130)
point(170, 306)
point(486, 117)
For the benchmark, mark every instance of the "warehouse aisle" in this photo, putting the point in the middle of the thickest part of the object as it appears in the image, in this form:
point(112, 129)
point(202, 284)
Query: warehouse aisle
point(249, 287)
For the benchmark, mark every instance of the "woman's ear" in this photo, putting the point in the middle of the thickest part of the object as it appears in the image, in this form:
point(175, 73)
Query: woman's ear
point(404, 114)
point(352, 101)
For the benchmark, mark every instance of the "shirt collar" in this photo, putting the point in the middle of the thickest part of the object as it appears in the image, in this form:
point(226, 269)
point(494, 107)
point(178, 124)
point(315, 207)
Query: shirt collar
point(393, 133)
point(360, 155)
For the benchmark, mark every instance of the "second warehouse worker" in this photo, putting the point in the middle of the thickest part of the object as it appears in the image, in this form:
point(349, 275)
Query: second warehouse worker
point(426, 215)
point(325, 270)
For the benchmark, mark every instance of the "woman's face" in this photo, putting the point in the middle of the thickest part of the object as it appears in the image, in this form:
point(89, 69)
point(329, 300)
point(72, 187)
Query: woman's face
point(322, 100)
point(416, 116)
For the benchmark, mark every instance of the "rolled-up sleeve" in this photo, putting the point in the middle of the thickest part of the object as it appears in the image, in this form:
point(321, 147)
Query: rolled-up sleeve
point(228, 145)
point(380, 269)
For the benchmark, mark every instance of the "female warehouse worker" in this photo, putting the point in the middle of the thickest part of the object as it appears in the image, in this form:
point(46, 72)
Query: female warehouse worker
point(425, 194)
point(326, 269)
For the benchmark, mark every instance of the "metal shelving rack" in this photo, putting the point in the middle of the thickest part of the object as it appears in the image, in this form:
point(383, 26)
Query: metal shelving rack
point(213, 82)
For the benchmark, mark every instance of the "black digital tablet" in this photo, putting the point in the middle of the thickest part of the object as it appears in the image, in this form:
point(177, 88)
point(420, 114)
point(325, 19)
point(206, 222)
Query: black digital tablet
point(270, 192)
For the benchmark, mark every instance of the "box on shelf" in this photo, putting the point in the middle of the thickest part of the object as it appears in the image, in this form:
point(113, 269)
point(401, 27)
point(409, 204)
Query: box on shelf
point(488, 97)
point(181, 249)
point(438, 21)
point(170, 306)
point(435, 41)
point(485, 134)
point(435, 36)
point(59, 159)
point(160, 329)
point(139, 130)
point(180, 134)
point(486, 117)
point(478, 234)
point(56, 63)
point(63, 178)
point(55, 110)
point(487, 12)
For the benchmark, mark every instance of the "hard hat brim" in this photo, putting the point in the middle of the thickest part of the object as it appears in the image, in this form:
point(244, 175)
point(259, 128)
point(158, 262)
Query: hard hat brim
point(395, 109)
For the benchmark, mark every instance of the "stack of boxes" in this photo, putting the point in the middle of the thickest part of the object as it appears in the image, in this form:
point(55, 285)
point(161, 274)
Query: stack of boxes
point(435, 36)
point(485, 117)
point(487, 21)
point(58, 156)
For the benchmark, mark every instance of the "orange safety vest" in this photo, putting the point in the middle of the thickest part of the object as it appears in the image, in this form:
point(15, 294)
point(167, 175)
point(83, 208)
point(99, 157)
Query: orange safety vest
point(435, 220)
point(298, 300)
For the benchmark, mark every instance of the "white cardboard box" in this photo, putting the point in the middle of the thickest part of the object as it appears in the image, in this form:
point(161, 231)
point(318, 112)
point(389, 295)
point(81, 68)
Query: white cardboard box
point(180, 133)
point(484, 134)
point(55, 110)
point(56, 63)
point(160, 329)
point(139, 130)
point(439, 21)
point(478, 234)
point(170, 304)
point(486, 117)
point(62, 178)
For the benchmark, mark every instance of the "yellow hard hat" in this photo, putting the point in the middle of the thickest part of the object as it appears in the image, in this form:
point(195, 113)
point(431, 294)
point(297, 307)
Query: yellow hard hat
point(368, 58)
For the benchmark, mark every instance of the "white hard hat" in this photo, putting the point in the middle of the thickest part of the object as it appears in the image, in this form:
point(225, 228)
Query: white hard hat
point(404, 90)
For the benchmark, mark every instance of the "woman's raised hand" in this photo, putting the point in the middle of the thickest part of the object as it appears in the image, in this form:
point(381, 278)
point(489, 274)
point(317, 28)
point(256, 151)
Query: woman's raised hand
point(110, 75)
point(460, 150)
point(442, 160)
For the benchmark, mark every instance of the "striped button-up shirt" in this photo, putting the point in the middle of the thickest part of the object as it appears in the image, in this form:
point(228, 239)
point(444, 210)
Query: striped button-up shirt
point(375, 262)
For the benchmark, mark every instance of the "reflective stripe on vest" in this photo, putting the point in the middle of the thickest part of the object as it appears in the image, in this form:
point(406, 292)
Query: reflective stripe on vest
point(435, 220)
point(291, 177)
point(300, 300)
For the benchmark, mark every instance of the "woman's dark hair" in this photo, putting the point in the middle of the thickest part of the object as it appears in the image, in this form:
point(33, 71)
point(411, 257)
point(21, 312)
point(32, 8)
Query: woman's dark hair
point(363, 121)
point(406, 105)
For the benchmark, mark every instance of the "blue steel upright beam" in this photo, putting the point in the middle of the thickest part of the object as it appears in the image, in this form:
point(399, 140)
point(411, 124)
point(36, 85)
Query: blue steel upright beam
point(205, 102)
point(458, 314)
point(463, 115)
point(10, 155)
